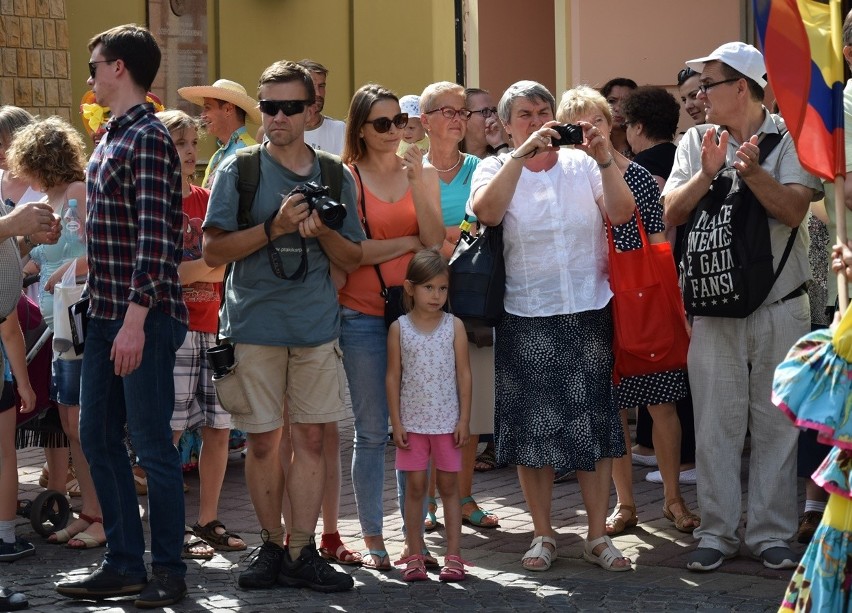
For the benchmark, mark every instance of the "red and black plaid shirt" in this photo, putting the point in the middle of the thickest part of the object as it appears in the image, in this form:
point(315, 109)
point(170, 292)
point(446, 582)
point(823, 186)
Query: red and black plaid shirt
point(134, 218)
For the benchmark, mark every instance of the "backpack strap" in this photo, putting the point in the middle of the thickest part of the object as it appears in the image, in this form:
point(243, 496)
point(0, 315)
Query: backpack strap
point(766, 145)
point(331, 171)
point(248, 170)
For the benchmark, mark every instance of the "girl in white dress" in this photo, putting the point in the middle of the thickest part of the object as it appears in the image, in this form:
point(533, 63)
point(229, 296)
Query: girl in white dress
point(429, 394)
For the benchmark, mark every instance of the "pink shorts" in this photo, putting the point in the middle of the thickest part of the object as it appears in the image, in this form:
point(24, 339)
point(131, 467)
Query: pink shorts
point(441, 447)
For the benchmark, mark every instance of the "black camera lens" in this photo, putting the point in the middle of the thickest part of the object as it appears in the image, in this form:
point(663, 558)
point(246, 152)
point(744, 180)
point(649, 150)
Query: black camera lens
point(569, 134)
point(331, 213)
point(221, 359)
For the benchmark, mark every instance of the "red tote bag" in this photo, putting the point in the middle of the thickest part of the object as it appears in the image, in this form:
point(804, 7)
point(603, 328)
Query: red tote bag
point(650, 330)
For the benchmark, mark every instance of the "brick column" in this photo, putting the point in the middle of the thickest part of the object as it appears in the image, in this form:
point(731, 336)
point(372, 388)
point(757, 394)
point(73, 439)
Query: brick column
point(35, 61)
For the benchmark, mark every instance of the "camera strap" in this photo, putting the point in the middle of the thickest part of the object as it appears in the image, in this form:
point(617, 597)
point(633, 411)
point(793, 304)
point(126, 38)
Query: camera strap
point(275, 258)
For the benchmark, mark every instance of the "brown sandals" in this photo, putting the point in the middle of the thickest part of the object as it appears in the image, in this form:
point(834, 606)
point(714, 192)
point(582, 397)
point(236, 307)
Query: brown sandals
point(681, 522)
point(618, 523)
point(217, 540)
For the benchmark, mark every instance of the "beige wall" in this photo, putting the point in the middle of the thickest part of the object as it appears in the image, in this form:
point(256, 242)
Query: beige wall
point(562, 43)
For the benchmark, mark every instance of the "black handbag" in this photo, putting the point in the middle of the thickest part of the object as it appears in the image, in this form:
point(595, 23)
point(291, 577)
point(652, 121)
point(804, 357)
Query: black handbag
point(478, 276)
point(394, 309)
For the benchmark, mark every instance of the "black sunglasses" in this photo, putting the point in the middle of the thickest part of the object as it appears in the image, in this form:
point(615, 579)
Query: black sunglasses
point(486, 112)
point(383, 124)
point(288, 107)
point(685, 74)
point(93, 66)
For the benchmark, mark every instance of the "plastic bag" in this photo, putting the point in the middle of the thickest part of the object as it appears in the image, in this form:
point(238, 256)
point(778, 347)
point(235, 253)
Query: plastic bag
point(65, 293)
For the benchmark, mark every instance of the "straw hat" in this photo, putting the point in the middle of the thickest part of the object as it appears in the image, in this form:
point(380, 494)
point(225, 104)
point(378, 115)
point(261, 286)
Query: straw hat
point(223, 89)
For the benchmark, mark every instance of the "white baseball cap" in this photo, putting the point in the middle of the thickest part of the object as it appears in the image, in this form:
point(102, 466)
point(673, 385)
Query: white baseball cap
point(743, 58)
point(410, 104)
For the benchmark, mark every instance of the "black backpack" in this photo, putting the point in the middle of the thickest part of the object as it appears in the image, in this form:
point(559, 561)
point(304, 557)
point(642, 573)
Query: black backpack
point(726, 269)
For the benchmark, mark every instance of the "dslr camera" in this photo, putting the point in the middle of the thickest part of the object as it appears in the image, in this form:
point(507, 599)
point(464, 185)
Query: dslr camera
point(317, 198)
point(569, 134)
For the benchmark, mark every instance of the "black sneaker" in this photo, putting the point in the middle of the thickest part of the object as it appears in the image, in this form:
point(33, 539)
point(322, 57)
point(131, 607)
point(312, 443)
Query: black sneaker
point(103, 583)
point(162, 590)
point(310, 570)
point(263, 571)
point(17, 549)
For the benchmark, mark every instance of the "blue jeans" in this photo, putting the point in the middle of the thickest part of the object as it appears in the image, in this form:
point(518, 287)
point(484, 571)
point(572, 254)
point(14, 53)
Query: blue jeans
point(363, 339)
point(144, 399)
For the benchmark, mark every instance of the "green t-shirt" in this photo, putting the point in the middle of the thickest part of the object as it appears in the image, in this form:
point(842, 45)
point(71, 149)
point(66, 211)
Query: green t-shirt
point(260, 308)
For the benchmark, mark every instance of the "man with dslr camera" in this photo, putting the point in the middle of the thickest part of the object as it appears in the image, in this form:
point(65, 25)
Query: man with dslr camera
point(282, 317)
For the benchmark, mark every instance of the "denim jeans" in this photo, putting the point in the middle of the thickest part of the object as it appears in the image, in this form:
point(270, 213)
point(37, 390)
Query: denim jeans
point(363, 339)
point(144, 399)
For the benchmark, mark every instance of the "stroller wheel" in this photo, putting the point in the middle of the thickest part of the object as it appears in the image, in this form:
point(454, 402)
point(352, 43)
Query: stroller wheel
point(49, 512)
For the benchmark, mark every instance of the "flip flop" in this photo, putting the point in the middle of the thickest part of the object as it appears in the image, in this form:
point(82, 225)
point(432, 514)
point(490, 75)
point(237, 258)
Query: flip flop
point(367, 560)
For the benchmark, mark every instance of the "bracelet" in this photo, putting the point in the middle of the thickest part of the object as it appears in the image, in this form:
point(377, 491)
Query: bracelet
point(607, 164)
point(500, 146)
point(28, 241)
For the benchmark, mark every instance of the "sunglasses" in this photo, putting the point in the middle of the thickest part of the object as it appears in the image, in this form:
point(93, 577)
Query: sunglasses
point(288, 107)
point(685, 74)
point(486, 112)
point(93, 66)
point(383, 124)
point(449, 112)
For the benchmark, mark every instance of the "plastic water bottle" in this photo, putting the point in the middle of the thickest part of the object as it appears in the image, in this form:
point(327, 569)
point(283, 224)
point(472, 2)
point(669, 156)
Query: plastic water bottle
point(73, 230)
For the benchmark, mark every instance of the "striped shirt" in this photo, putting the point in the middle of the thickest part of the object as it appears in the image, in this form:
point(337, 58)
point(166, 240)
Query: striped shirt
point(134, 218)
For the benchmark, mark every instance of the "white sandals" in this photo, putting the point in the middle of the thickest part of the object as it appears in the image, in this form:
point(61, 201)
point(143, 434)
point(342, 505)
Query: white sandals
point(607, 558)
point(539, 551)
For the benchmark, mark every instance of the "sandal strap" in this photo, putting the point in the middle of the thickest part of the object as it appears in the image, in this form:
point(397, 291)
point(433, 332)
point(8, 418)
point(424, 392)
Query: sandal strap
point(457, 559)
point(609, 555)
point(538, 550)
point(91, 520)
point(413, 558)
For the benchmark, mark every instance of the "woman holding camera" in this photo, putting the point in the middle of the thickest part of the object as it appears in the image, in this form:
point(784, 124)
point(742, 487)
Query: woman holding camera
point(558, 325)
point(399, 200)
point(659, 391)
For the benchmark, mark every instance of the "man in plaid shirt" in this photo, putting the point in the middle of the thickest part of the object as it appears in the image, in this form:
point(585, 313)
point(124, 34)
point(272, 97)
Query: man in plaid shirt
point(137, 322)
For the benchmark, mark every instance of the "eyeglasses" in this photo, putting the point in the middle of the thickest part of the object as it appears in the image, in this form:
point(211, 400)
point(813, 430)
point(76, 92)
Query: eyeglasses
point(93, 66)
point(449, 112)
point(288, 107)
point(383, 124)
point(706, 87)
point(486, 112)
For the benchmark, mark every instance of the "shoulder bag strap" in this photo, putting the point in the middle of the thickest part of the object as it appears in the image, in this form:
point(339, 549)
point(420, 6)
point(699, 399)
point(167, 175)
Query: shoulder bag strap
point(362, 201)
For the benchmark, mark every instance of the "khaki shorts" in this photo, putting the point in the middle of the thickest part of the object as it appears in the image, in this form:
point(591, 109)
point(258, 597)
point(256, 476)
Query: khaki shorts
point(311, 379)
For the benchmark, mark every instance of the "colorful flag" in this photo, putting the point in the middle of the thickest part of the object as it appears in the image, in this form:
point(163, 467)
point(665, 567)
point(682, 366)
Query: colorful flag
point(802, 42)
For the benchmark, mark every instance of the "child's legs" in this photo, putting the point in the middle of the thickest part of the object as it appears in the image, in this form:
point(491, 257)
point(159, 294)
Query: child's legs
point(414, 463)
point(416, 484)
point(447, 459)
point(8, 466)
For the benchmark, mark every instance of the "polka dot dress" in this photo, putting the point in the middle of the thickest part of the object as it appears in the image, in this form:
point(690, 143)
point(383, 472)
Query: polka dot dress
point(555, 404)
point(656, 388)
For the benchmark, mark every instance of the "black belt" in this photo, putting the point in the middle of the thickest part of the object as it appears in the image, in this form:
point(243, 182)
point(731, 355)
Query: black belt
point(799, 291)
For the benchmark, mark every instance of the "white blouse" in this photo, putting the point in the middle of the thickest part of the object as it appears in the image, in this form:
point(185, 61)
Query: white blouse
point(554, 240)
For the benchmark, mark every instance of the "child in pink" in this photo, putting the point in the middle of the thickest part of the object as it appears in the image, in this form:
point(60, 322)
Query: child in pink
point(429, 394)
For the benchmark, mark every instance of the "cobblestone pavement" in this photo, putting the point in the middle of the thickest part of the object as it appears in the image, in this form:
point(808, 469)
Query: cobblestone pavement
point(496, 583)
